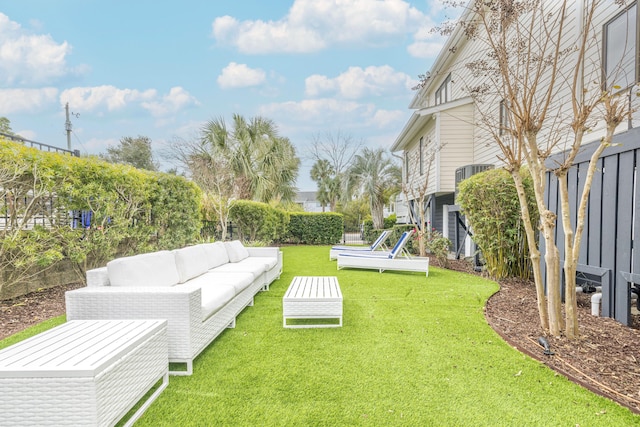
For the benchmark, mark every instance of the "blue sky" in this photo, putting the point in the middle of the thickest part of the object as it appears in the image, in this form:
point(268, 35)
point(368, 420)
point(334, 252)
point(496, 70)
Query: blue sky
point(162, 69)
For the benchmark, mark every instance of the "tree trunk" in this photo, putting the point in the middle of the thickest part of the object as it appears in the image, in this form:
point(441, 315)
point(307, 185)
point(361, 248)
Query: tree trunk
point(423, 232)
point(571, 303)
point(534, 252)
point(377, 215)
point(552, 261)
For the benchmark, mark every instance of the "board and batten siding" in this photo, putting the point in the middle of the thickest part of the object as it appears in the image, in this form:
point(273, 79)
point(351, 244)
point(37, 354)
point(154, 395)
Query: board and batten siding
point(611, 236)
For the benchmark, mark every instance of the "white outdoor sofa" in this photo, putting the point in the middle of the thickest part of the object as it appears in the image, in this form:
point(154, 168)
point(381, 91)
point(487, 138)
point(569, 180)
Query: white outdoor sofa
point(199, 290)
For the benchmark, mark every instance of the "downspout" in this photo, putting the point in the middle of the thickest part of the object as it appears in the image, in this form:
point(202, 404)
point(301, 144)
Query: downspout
point(436, 116)
point(401, 158)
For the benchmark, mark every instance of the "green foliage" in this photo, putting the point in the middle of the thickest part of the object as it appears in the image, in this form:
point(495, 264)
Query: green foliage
point(175, 211)
point(438, 245)
point(263, 164)
point(5, 126)
point(316, 228)
point(132, 211)
point(390, 221)
point(355, 212)
point(134, 152)
point(490, 202)
point(258, 221)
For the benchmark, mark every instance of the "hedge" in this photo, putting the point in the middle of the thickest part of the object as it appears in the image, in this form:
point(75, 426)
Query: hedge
point(124, 211)
point(315, 228)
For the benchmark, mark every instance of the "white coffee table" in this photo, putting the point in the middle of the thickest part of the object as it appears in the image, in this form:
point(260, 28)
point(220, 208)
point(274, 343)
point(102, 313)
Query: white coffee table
point(83, 373)
point(312, 297)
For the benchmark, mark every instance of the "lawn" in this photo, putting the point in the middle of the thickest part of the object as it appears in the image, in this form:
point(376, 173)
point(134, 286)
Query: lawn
point(413, 351)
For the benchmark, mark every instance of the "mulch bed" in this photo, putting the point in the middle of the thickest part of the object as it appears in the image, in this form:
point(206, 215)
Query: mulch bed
point(19, 313)
point(605, 359)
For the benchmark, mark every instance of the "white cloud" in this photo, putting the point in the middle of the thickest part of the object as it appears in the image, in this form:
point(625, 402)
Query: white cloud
point(26, 100)
point(240, 75)
point(97, 145)
point(30, 58)
point(359, 82)
point(427, 44)
point(106, 96)
point(317, 110)
point(312, 25)
point(424, 50)
point(176, 100)
point(388, 118)
point(338, 113)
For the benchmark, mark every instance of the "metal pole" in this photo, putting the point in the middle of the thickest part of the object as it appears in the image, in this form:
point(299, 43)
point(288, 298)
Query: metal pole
point(67, 126)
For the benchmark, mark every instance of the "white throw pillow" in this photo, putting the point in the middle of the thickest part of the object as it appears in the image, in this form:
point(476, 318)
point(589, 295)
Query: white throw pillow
point(236, 251)
point(152, 269)
point(191, 262)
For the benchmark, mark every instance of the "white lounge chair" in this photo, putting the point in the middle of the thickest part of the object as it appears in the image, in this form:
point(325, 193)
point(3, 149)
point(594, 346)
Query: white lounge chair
point(379, 242)
point(382, 262)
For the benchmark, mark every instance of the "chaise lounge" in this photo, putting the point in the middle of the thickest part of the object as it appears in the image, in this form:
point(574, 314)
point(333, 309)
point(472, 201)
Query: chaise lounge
point(379, 242)
point(385, 261)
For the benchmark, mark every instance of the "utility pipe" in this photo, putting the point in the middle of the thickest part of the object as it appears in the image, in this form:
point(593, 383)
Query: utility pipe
point(595, 304)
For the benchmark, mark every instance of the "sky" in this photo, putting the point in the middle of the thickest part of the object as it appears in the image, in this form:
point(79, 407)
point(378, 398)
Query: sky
point(162, 69)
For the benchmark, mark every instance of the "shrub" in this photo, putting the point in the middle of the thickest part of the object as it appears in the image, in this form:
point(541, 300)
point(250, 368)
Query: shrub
point(316, 228)
point(439, 246)
point(126, 211)
point(258, 221)
point(490, 202)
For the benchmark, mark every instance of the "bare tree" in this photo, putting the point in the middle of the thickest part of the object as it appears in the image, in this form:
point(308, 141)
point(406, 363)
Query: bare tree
point(417, 188)
point(549, 86)
point(220, 185)
point(338, 150)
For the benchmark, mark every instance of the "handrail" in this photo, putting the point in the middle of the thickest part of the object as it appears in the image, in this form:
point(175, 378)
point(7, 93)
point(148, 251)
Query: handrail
point(39, 145)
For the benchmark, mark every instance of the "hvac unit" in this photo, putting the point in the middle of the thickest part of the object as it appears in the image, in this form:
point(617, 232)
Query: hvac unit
point(469, 170)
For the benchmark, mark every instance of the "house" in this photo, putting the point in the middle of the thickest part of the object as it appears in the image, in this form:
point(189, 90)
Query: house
point(446, 138)
point(309, 203)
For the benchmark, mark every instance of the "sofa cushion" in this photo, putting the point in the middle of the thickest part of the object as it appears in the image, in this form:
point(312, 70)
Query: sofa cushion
point(236, 251)
point(269, 261)
point(239, 281)
point(247, 265)
point(191, 262)
point(216, 254)
point(215, 297)
point(152, 269)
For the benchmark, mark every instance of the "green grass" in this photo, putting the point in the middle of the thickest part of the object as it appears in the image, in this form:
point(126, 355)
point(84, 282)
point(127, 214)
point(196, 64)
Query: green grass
point(413, 351)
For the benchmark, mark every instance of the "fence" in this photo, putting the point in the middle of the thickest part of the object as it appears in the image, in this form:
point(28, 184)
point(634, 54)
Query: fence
point(39, 145)
point(609, 254)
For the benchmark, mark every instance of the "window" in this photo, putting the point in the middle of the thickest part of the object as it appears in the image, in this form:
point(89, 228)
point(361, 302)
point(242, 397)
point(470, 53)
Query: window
point(504, 117)
point(421, 156)
point(443, 94)
point(620, 50)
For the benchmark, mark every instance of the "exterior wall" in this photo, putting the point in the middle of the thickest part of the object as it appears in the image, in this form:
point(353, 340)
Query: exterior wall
point(456, 137)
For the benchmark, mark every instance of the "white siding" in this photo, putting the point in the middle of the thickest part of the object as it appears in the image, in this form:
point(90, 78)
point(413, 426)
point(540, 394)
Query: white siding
point(463, 130)
point(456, 137)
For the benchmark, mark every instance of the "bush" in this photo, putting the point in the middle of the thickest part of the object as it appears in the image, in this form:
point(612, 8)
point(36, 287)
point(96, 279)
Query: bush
point(316, 228)
point(439, 246)
point(490, 202)
point(125, 211)
point(258, 221)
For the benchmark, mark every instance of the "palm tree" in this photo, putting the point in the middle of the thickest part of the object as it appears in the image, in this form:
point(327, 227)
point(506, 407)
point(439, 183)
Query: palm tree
point(322, 173)
point(264, 164)
point(374, 175)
